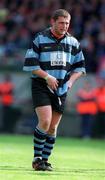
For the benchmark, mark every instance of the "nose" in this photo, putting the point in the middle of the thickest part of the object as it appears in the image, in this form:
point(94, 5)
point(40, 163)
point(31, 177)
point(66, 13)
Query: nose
point(65, 25)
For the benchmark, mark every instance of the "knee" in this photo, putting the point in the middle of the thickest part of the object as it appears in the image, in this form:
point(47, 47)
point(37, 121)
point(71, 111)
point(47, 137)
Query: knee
point(52, 130)
point(44, 124)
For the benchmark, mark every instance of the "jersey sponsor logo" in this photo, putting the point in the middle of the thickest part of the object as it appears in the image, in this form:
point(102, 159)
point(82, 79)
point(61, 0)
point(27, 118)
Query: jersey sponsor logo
point(58, 59)
point(47, 47)
point(57, 63)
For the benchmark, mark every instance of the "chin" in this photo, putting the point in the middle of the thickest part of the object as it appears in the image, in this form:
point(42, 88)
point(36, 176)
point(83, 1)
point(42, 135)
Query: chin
point(63, 33)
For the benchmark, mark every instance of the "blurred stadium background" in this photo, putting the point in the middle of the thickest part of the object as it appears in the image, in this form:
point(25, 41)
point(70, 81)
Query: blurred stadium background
point(19, 21)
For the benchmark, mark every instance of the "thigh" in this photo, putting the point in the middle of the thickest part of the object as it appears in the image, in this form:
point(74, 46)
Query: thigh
point(44, 113)
point(56, 117)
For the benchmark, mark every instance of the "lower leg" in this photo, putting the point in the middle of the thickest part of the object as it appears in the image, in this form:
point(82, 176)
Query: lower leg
point(51, 135)
point(39, 141)
point(44, 117)
point(48, 146)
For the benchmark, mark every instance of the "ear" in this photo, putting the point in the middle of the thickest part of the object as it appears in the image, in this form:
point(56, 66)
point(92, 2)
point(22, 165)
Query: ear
point(52, 21)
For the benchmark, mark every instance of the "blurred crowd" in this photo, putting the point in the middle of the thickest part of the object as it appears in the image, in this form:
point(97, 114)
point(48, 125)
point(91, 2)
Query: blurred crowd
point(21, 19)
point(91, 109)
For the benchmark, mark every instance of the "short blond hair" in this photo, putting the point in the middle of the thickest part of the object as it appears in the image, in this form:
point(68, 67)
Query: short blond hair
point(60, 12)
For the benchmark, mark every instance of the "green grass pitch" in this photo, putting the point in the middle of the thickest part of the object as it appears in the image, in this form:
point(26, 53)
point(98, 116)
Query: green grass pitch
point(72, 159)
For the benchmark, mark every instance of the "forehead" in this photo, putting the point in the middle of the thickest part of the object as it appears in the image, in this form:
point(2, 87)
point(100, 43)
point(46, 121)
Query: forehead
point(63, 19)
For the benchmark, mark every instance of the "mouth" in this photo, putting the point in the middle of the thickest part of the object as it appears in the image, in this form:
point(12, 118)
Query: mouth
point(63, 30)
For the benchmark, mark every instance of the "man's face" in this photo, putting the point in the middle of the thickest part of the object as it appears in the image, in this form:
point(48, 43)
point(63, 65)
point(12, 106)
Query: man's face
point(61, 25)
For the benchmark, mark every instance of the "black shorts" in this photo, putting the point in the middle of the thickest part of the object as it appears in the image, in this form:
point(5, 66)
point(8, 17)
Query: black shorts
point(42, 96)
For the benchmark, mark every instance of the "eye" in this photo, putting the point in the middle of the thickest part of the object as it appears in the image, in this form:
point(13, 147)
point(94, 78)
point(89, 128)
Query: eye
point(67, 23)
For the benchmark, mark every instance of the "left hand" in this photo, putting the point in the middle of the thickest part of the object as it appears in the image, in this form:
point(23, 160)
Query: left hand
point(69, 84)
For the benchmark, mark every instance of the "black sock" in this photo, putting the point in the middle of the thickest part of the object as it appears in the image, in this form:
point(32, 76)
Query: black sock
point(48, 147)
point(39, 141)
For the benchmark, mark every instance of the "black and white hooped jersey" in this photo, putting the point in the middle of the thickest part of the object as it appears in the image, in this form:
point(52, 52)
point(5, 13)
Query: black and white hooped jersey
point(58, 58)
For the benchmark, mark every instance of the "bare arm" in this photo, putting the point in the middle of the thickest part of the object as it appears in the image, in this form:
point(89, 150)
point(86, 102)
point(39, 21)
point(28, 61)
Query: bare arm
point(73, 78)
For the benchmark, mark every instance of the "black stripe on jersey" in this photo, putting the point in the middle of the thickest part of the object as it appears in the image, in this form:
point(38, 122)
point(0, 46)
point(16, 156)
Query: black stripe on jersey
point(50, 47)
point(75, 51)
point(31, 62)
point(79, 64)
point(35, 48)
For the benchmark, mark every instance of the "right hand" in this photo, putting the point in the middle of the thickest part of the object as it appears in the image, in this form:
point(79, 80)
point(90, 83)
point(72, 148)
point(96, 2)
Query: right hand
point(52, 82)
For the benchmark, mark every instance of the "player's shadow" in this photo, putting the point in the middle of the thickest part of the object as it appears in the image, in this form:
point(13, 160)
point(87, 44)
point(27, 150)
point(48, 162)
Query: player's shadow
point(57, 171)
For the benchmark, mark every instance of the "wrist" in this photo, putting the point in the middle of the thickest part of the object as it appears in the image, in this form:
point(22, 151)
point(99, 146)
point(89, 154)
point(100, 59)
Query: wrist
point(46, 77)
point(70, 84)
